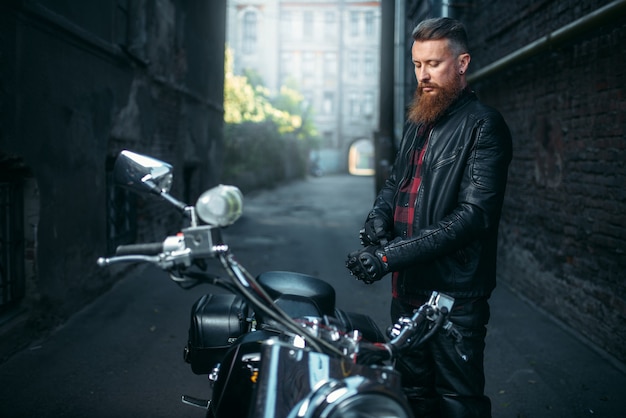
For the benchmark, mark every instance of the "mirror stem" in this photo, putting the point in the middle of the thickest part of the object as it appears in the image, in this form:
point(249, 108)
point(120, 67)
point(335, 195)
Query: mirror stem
point(191, 212)
point(180, 205)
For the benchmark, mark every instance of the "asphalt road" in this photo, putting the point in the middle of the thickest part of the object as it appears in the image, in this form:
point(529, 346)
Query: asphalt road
point(122, 355)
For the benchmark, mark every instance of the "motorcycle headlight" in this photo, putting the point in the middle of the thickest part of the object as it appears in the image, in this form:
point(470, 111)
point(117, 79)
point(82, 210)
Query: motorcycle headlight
point(353, 397)
point(220, 206)
point(367, 405)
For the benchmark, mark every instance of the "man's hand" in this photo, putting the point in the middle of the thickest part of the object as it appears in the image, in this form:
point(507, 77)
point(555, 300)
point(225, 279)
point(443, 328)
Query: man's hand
point(368, 264)
point(374, 232)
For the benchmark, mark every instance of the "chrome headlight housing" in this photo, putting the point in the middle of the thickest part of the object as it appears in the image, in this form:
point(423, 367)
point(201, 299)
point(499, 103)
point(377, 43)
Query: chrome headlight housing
point(352, 397)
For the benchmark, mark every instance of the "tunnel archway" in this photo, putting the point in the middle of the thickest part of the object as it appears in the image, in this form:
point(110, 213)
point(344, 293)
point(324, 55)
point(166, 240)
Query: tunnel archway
point(361, 158)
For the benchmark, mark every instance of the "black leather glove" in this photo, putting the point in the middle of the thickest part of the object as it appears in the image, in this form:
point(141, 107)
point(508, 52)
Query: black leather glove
point(368, 264)
point(374, 232)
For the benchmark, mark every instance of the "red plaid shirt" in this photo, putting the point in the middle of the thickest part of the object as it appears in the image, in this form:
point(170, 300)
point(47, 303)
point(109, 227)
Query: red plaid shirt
point(404, 213)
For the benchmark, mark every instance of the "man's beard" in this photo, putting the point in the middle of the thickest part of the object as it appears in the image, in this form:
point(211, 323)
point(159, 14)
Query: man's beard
point(426, 108)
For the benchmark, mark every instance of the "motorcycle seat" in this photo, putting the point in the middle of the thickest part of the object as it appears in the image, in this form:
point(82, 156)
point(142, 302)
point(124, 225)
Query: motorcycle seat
point(284, 284)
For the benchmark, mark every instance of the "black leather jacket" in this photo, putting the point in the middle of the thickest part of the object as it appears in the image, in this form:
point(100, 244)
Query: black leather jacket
point(454, 242)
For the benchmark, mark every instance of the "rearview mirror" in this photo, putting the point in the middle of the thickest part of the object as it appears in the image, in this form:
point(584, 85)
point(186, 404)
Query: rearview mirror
point(142, 173)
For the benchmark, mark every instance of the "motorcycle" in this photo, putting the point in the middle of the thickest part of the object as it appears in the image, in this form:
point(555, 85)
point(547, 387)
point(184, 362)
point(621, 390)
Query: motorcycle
point(273, 345)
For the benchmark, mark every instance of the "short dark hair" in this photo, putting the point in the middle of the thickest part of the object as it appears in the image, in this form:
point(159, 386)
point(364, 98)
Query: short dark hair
point(443, 28)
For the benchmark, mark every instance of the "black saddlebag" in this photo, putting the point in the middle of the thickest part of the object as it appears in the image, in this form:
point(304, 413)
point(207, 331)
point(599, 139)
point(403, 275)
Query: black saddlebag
point(217, 320)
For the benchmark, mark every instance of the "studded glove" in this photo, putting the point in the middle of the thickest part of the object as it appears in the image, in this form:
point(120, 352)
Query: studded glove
point(374, 231)
point(368, 264)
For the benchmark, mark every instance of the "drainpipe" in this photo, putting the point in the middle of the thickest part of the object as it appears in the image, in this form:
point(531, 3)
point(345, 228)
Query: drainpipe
point(601, 16)
point(399, 59)
point(384, 144)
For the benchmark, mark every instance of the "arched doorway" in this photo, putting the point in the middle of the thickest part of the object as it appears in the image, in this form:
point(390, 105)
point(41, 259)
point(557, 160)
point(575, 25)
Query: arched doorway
point(361, 158)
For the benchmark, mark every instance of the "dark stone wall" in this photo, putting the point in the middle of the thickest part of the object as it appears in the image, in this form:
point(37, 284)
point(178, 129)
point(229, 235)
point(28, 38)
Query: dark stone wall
point(79, 82)
point(563, 231)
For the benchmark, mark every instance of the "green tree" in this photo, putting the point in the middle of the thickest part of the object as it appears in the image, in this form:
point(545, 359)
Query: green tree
point(266, 138)
point(291, 101)
point(248, 100)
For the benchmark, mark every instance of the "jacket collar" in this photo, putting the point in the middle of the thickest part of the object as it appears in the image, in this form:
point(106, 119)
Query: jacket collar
point(467, 95)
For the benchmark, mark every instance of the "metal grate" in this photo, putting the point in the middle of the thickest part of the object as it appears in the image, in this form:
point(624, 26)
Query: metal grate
point(12, 276)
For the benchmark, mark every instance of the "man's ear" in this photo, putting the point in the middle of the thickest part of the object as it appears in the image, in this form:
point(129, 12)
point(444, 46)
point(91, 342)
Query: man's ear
point(463, 61)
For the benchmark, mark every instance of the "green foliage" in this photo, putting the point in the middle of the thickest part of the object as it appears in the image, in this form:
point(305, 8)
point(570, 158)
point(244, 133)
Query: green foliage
point(291, 101)
point(255, 156)
point(266, 138)
point(247, 100)
point(253, 76)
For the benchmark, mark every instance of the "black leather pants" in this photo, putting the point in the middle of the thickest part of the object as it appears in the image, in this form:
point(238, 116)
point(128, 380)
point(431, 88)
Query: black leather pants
point(437, 381)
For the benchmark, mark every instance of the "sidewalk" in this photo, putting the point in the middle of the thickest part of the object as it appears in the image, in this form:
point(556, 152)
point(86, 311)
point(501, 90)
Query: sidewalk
point(536, 368)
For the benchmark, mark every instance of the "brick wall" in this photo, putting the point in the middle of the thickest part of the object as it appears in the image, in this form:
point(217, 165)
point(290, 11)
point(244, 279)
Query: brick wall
point(78, 83)
point(563, 232)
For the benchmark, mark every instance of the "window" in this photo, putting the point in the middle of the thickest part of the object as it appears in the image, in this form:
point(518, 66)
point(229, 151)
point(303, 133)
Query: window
point(369, 23)
point(353, 104)
point(368, 103)
point(307, 25)
point(286, 23)
point(330, 64)
point(368, 63)
point(249, 32)
point(308, 64)
point(330, 21)
point(286, 63)
point(354, 23)
point(328, 104)
point(12, 278)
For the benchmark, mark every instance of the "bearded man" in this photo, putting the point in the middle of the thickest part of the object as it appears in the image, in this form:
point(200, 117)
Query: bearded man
point(434, 224)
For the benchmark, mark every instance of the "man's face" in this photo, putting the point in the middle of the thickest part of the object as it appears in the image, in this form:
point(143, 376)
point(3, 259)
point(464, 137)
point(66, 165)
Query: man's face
point(440, 79)
point(436, 66)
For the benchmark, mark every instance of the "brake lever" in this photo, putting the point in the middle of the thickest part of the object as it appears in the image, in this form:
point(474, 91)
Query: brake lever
point(165, 261)
point(107, 261)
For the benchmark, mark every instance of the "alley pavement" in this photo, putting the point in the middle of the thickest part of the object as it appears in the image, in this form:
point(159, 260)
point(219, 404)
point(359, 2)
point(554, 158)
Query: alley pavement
point(122, 355)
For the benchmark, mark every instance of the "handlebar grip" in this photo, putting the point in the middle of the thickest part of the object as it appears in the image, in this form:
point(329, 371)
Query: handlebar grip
point(151, 248)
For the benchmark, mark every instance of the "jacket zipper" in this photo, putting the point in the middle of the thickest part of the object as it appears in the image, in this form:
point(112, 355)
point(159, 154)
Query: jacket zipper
point(419, 190)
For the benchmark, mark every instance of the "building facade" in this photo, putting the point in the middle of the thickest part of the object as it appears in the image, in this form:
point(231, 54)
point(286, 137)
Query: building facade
point(328, 50)
point(79, 82)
